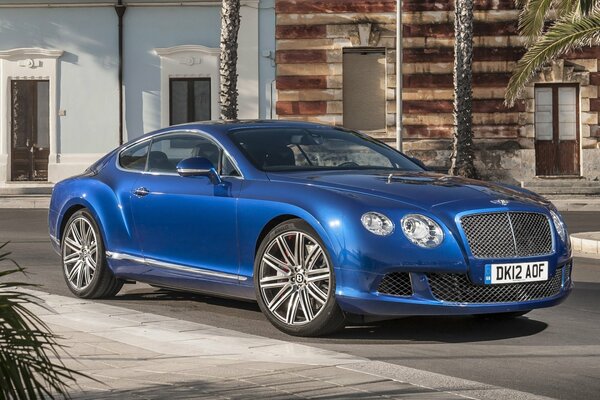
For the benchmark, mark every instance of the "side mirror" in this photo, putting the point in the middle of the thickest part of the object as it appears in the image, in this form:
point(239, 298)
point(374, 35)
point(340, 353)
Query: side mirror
point(419, 163)
point(198, 166)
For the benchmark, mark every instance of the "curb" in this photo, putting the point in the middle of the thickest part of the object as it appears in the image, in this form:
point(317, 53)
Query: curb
point(27, 201)
point(576, 204)
point(586, 242)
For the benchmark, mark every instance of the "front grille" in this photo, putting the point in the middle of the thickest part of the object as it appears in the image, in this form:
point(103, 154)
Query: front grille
point(508, 234)
point(457, 288)
point(396, 284)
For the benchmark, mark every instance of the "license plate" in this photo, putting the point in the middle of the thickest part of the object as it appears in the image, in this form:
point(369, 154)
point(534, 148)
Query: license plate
point(516, 272)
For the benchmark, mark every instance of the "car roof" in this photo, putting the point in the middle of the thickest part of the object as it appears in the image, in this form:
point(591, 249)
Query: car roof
point(220, 127)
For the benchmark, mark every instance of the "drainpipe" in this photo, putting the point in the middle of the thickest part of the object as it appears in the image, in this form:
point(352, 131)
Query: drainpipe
point(399, 74)
point(120, 8)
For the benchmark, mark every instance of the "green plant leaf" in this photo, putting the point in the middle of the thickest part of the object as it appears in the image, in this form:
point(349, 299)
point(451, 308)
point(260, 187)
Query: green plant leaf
point(533, 16)
point(30, 364)
point(567, 34)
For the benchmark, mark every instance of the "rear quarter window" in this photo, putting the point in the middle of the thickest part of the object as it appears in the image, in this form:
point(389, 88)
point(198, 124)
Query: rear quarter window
point(134, 158)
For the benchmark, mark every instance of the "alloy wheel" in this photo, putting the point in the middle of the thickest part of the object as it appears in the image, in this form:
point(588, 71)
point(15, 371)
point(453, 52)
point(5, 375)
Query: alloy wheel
point(295, 278)
point(80, 253)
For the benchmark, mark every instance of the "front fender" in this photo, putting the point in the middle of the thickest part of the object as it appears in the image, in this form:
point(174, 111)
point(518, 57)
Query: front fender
point(335, 216)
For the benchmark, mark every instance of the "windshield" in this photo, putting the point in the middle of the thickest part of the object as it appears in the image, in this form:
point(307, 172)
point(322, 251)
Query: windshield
point(297, 149)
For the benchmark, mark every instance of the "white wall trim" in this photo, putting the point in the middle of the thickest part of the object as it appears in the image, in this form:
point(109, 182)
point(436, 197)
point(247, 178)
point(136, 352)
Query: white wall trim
point(188, 61)
point(167, 51)
point(27, 63)
point(30, 52)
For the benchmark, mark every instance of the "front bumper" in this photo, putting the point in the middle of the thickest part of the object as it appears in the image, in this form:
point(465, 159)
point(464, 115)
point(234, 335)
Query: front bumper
point(423, 301)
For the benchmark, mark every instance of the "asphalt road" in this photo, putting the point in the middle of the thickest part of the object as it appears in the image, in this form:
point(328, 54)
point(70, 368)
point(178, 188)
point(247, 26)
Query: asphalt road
point(553, 352)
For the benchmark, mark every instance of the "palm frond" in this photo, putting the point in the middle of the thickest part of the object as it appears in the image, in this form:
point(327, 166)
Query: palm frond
point(568, 33)
point(30, 364)
point(520, 3)
point(587, 6)
point(533, 17)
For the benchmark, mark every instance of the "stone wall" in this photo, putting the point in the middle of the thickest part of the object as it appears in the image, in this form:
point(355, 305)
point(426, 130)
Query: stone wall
point(311, 35)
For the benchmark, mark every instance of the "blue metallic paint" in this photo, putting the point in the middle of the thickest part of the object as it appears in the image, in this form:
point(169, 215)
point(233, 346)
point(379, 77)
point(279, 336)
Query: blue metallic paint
point(189, 221)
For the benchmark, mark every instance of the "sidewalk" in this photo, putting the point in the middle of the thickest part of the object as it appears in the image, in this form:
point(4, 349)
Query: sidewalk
point(142, 355)
point(585, 243)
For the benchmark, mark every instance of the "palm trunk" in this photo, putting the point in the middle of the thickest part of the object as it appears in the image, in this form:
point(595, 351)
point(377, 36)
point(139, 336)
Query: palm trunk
point(230, 26)
point(462, 151)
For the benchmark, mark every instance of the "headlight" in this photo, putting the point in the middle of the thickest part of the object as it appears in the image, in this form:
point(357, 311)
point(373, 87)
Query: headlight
point(422, 231)
point(377, 223)
point(559, 225)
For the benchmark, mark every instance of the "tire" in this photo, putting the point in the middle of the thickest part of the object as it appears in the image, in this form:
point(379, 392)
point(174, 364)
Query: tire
point(501, 316)
point(294, 297)
point(82, 247)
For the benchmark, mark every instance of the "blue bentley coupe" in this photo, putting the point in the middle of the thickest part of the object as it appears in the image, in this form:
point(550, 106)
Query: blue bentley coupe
point(320, 225)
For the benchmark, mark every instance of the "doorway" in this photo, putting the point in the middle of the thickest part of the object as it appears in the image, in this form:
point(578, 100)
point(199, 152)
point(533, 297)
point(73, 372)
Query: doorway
point(557, 130)
point(30, 126)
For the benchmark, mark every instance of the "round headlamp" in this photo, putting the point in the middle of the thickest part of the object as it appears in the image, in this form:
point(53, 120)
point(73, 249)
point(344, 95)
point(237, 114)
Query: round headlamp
point(377, 223)
point(559, 225)
point(422, 230)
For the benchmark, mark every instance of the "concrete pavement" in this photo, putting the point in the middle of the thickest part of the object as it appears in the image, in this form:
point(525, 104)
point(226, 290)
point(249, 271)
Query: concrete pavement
point(143, 355)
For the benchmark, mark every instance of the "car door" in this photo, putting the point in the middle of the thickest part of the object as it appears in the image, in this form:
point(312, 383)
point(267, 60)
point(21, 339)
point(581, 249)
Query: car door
point(186, 223)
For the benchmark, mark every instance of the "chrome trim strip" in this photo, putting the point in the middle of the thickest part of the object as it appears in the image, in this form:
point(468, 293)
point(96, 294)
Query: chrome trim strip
point(192, 171)
point(55, 239)
point(175, 267)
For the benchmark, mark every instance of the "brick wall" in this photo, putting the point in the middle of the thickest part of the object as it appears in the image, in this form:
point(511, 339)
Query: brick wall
point(312, 33)
point(311, 36)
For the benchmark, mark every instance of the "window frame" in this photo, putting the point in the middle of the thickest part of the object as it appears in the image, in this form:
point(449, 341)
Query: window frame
point(190, 97)
point(222, 150)
point(555, 111)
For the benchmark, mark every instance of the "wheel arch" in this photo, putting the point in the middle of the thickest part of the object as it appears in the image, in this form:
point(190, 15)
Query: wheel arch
point(65, 218)
point(312, 221)
point(269, 227)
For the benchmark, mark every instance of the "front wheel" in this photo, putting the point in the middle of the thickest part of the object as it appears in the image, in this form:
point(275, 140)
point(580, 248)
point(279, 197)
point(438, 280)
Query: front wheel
point(295, 283)
point(85, 269)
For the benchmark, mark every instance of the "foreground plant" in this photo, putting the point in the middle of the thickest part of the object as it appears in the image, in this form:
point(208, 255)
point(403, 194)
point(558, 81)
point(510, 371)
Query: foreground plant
point(30, 366)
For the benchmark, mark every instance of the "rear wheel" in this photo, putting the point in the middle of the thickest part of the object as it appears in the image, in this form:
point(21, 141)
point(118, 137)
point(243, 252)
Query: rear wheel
point(84, 262)
point(295, 283)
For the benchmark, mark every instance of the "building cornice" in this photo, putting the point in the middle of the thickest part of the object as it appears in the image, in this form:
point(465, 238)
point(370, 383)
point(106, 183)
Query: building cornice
point(168, 51)
point(30, 52)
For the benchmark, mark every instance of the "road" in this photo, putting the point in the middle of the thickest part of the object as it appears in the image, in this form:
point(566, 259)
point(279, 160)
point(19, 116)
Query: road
point(552, 352)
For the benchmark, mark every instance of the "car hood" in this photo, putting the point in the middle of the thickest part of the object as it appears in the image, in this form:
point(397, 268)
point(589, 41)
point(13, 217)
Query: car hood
point(421, 189)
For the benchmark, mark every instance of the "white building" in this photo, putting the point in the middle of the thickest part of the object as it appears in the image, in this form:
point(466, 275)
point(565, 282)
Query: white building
point(60, 84)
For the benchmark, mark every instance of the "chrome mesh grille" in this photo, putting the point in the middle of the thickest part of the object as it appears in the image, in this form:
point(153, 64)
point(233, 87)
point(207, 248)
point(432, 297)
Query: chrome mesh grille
point(396, 284)
point(508, 234)
point(457, 288)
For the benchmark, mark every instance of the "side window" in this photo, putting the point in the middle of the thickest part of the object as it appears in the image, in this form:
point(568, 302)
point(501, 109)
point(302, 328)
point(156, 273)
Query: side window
point(167, 152)
point(134, 158)
point(228, 167)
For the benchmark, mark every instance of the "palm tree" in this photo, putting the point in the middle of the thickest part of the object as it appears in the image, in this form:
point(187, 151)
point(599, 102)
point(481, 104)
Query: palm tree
point(29, 364)
point(230, 26)
point(573, 24)
point(463, 154)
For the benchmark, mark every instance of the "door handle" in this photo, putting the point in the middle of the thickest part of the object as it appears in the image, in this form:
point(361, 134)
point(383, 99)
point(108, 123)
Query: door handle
point(141, 192)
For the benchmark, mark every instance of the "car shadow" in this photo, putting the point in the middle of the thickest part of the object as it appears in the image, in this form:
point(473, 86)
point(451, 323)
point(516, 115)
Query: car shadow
point(165, 295)
point(444, 329)
point(422, 329)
